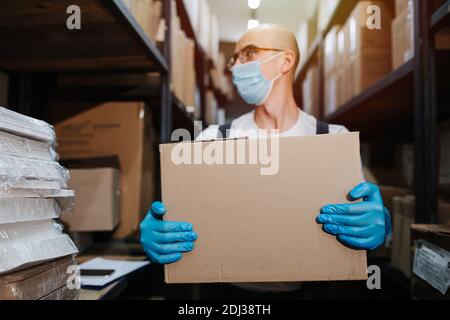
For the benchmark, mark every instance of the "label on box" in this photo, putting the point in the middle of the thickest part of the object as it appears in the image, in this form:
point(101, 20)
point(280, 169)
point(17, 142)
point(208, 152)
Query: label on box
point(432, 264)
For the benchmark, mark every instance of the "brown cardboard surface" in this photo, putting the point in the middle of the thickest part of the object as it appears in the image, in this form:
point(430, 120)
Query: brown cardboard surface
point(255, 228)
point(97, 202)
point(402, 39)
point(116, 129)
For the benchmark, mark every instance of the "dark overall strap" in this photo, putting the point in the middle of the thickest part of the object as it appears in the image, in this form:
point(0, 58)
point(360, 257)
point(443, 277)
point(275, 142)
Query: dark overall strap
point(223, 129)
point(322, 127)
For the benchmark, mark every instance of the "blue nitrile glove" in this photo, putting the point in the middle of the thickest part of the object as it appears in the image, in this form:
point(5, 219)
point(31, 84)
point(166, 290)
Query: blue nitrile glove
point(362, 225)
point(164, 241)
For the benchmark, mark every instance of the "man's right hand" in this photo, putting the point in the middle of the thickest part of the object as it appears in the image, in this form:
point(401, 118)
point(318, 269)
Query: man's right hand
point(164, 241)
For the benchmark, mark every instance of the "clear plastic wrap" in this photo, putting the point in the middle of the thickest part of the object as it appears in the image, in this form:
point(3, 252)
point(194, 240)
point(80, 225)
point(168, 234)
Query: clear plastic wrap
point(22, 147)
point(25, 126)
point(25, 244)
point(63, 293)
point(15, 169)
point(32, 188)
point(39, 282)
point(14, 210)
point(28, 206)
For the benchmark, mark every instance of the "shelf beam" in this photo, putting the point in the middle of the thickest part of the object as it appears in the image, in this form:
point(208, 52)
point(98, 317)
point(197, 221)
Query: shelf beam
point(36, 39)
point(441, 17)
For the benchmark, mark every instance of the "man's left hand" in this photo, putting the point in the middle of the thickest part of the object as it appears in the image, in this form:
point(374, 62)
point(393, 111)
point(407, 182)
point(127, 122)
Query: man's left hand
point(362, 225)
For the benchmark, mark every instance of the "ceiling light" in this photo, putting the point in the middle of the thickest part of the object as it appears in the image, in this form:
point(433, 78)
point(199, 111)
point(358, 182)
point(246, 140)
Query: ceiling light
point(252, 23)
point(254, 4)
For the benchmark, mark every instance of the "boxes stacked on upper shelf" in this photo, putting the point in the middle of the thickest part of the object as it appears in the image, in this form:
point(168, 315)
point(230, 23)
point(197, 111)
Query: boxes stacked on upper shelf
point(310, 90)
point(32, 195)
point(326, 10)
point(357, 54)
point(205, 25)
point(147, 13)
point(183, 72)
point(331, 69)
point(305, 36)
point(220, 80)
point(369, 40)
point(403, 33)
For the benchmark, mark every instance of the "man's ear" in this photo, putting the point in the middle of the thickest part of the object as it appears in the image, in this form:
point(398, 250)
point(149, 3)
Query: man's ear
point(288, 62)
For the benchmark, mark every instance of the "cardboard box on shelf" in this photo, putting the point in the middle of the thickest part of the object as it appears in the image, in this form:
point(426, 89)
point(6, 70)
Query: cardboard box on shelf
point(90, 134)
point(444, 212)
point(331, 93)
point(97, 205)
point(404, 213)
point(305, 36)
point(368, 67)
point(403, 37)
point(402, 6)
point(310, 89)
point(326, 9)
point(442, 39)
point(368, 46)
point(147, 13)
point(331, 50)
point(247, 221)
point(388, 193)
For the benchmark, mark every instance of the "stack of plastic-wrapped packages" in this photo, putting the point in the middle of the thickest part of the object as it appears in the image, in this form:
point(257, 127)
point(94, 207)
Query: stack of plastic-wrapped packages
point(36, 257)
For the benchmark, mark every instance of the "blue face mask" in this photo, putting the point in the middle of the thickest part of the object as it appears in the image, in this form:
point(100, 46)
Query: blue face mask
point(250, 82)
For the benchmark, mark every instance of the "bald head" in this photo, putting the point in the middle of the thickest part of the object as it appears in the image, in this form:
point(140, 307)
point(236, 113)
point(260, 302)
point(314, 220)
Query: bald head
point(270, 36)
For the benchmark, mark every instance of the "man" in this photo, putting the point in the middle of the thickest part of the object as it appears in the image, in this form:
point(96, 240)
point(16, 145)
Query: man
point(263, 68)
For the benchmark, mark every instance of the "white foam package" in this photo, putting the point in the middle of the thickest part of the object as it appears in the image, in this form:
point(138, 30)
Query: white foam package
point(29, 243)
point(25, 126)
point(22, 147)
point(32, 188)
point(14, 210)
point(14, 170)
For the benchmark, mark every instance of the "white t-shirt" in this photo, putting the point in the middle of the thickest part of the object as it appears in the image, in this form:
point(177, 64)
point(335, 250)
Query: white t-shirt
point(245, 126)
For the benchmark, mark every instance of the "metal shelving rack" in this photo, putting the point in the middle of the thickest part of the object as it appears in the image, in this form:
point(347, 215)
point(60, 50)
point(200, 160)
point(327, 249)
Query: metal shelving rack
point(111, 47)
point(407, 103)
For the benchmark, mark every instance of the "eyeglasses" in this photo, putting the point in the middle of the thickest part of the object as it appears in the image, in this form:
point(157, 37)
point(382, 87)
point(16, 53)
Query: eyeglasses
point(246, 54)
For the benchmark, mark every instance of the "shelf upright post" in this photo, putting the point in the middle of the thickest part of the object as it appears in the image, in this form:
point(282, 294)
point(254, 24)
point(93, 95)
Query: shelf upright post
point(166, 103)
point(425, 116)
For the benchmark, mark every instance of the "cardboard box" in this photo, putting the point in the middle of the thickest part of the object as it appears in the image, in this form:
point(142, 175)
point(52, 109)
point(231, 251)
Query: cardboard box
point(331, 93)
point(389, 192)
point(368, 67)
point(444, 212)
point(261, 228)
point(401, 6)
point(305, 36)
point(368, 49)
point(310, 89)
point(331, 50)
point(97, 202)
point(404, 212)
point(438, 235)
point(403, 37)
point(442, 39)
point(361, 35)
point(122, 130)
